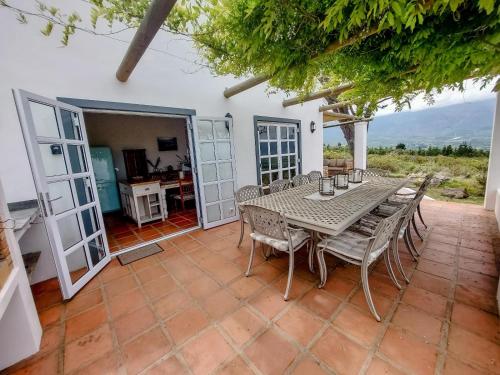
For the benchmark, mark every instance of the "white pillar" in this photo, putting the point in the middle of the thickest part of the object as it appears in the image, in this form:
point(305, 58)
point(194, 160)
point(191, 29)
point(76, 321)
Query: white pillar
point(493, 181)
point(360, 144)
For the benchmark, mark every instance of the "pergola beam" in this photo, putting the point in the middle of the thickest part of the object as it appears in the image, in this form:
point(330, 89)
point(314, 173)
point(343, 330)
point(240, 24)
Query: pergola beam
point(153, 20)
point(318, 95)
point(334, 116)
point(245, 85)
point(338, 105)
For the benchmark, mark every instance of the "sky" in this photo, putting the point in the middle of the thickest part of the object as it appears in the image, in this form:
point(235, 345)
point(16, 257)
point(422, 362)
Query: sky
point(473, 92)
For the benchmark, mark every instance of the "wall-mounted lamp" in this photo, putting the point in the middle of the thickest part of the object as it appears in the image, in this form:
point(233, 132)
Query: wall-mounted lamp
point(228, 115)
point(312, 126)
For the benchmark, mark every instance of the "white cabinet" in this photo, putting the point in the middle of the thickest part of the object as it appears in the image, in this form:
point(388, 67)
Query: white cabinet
point(142, 201)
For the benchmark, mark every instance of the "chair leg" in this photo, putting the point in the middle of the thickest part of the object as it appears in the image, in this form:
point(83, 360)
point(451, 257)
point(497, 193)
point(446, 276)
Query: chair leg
point(408, 246)
point(252, 253)
point(412, 244)
point(366, 289)
point(242, 231)
point(322, 267)
point(310, 247)
point(397, 259)
point(415, 228)
point(420, 216)
point(388, 264)
point(291, 266)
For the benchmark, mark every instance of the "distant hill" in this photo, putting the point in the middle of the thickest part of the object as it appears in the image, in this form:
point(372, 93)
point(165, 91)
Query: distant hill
point(437, 126)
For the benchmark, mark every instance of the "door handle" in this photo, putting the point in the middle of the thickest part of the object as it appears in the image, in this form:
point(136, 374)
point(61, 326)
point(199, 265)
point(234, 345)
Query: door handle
point(54, 199)
point(49, 203)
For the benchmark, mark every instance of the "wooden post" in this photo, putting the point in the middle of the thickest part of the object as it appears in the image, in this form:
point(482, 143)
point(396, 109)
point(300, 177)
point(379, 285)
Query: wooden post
point(327, 107)
point(317, 95)
point(245, 85)
point(153, 20)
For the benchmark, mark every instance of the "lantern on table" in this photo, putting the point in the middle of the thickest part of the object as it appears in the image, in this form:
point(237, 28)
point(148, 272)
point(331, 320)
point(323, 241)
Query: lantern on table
point(342, 181)
point(356, 176)
point(326, 185)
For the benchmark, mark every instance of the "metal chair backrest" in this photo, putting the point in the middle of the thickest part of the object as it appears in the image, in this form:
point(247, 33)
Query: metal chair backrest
point(300, 179)
point(375, 172)
point(278, 185)
point(267, 222)
point(314, 176)
point(248, 192)
point(384, 231)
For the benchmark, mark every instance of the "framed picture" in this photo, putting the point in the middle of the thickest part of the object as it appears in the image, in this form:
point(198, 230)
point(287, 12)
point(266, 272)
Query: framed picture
point(167, 144)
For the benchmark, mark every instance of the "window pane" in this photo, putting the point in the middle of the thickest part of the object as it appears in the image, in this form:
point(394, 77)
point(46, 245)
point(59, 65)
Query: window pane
point(292, 173)
point(209, 172)
point(77, 264)
point(97, 250)
point(292, 160)
point(207, 151)
point(205, 131)
point(264, 148)
point(228, 209)
point(262, 130)
point(265, 179)
point(275, 176)
point(291, 133)
point(284, 147)
point(53, 159)
point(213, 213)
point(286, 175)
point(44, 119)
point(225, 171)
point(223, 150)
point(77, 159)
point(292, 147)
point(274, 163)
point(283, 132)
point(60, 196)
point(227, 190)
point(83, 191)
point(273, 146)
point(211, 193)
point(264, 164)
point(69, 231)
point(273, 133)
point(284, 162)
point(90, 221)
point(71, 125)
point(222, 129)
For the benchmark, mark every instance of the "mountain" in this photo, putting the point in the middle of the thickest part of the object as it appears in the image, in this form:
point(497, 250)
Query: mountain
point(469, 122)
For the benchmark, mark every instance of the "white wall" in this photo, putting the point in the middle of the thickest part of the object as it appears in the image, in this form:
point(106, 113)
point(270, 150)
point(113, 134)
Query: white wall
point(120, 132)
point(493, 181)
point(86, 69)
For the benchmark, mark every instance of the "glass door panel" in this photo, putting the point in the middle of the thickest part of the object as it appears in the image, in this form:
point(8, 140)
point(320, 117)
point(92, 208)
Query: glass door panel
point(213, 141)
point(57, 146)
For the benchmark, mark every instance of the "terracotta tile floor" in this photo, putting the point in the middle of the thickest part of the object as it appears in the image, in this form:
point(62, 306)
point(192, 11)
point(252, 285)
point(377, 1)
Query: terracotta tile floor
point(190, 310)
point(123, 232)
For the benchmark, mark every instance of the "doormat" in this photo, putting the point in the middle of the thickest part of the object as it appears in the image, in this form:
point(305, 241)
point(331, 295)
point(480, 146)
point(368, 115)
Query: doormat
point(139, 253)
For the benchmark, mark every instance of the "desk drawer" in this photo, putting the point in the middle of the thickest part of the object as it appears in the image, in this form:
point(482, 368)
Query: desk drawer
point(146, 189)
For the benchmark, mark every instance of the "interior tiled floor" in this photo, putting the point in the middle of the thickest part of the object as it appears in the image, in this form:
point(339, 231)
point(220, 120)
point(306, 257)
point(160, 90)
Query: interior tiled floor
point(123, 232)
point(190, 310)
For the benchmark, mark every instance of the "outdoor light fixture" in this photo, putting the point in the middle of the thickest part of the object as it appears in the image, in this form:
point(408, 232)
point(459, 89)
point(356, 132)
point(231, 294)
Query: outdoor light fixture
point(313, 126)
point(356, 176)
point(342, 181)
point(326, 185)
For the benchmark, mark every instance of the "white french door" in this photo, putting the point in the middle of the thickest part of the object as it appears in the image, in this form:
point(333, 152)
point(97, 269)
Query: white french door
point(277, 151)
point(59, 155)
point(216, 169)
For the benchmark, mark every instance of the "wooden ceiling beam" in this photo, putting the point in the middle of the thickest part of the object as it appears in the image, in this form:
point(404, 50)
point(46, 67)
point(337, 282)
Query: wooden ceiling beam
point(153, 20)
point(338, 105)
point(335, 116)
point(318, 95)
point(245, 85)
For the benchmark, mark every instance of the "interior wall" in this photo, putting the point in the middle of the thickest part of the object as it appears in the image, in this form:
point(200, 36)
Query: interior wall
point(120, 132)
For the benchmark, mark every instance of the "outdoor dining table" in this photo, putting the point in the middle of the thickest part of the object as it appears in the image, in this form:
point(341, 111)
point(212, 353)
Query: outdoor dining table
point(329, 216)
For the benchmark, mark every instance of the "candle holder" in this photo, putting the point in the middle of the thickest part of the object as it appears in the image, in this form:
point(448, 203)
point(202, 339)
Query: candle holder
point(342, 181)
point(326, 185)
point(356, 176)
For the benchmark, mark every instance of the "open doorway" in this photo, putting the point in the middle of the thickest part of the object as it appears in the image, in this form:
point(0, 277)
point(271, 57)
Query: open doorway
point(142, 165)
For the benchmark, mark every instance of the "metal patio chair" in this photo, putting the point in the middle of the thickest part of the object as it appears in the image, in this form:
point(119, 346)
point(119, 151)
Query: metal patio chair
point(278, 185)
point(361, 249)
point(271, 228)
point(300, 179)
point(406, 197)
point(244, 194)
point(314, 176)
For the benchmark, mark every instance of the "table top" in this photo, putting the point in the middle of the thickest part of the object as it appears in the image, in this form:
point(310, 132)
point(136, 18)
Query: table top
point(331, 216)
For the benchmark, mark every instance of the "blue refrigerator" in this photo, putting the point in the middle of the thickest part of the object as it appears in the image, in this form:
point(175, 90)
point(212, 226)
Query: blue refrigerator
point(104, 171)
